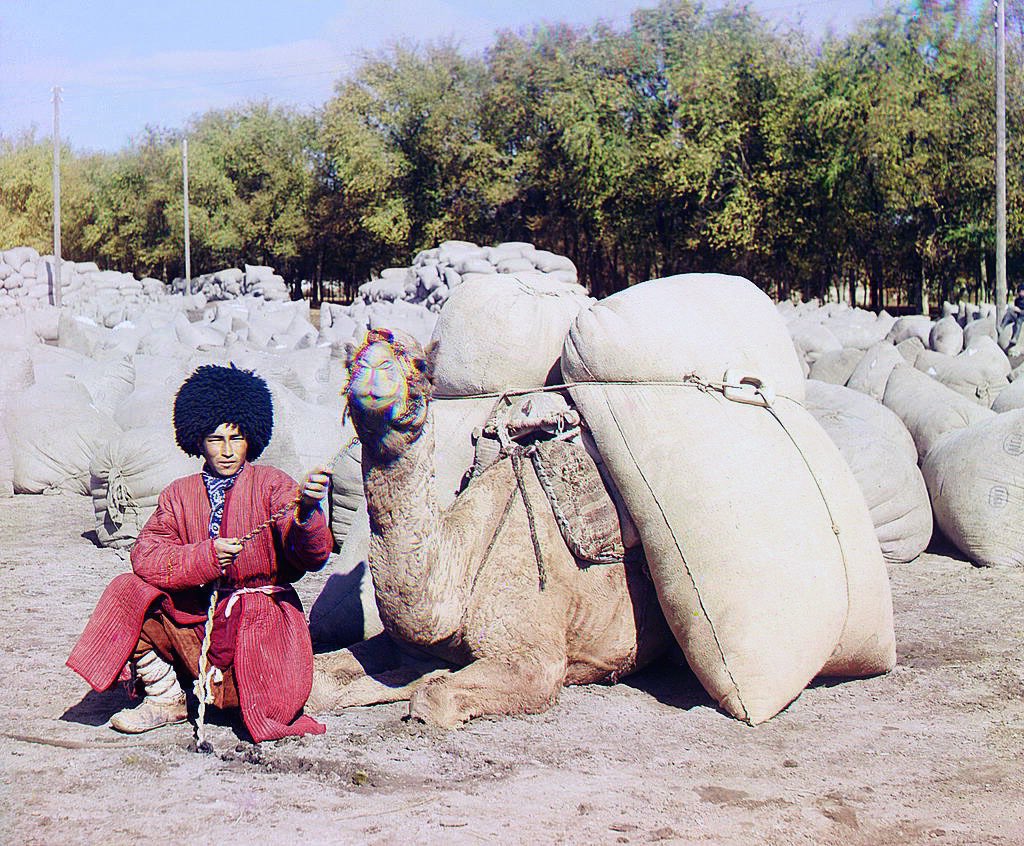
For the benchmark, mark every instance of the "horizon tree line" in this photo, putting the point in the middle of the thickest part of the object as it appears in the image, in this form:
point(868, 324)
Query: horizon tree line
point(693, 140)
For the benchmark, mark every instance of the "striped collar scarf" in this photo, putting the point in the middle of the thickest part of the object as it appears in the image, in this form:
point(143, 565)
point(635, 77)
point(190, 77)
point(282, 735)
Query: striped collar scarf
point(217, 488)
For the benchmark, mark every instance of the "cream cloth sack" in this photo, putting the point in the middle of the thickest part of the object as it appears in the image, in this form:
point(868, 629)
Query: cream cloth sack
point(756, 534)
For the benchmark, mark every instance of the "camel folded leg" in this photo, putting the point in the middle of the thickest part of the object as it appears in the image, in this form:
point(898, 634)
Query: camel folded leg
point(489, 686)
point(371, 672)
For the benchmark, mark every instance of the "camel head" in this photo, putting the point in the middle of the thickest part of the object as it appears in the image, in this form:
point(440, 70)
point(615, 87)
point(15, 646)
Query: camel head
point(389, 389)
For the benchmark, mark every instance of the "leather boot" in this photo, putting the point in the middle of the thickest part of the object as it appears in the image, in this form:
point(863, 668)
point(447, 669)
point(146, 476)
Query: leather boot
point(164, 703)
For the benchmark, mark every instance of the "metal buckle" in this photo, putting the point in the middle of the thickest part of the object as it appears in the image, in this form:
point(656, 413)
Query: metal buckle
point(746, 388)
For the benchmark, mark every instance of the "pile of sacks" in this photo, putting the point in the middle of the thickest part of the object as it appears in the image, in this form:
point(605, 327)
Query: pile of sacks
point(105, 296)
point(87, 410)
point(409, 298)
point(255, 280)
point(951, 383)
point(763, 591)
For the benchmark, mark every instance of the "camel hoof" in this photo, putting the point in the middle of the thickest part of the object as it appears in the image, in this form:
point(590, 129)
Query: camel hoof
point(433, 704)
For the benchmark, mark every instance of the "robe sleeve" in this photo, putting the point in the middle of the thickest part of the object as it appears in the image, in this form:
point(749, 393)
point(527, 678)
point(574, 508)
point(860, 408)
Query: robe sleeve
point(162, 558)
point(305, 546)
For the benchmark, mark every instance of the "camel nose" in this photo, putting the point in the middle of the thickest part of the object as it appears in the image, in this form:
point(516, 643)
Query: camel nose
point(377, 387)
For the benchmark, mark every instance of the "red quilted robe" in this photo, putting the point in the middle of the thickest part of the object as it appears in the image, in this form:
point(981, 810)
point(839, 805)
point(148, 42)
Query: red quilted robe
point(267, 634)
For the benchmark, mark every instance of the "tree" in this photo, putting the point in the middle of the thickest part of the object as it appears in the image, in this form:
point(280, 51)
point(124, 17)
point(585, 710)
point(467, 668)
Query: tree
point(408, 157)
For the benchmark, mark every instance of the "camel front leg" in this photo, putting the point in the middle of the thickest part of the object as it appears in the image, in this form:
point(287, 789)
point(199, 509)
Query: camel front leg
point(489, 686)
point(371, 672)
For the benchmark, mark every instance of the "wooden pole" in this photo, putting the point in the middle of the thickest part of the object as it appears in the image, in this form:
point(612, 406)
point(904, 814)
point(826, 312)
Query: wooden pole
point(56, 197)
point(1000, 159)
point(188, 246)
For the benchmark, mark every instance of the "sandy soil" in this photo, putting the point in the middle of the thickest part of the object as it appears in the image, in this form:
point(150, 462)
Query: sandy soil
point(930, 753)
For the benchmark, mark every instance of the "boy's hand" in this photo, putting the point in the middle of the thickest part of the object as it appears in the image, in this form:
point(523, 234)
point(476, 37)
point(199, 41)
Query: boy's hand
point(314, 488)
point(226, 549)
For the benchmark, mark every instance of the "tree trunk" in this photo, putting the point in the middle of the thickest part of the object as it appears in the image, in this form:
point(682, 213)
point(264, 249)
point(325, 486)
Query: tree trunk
point(984, 281)
point(922, 291)
point(318, 275)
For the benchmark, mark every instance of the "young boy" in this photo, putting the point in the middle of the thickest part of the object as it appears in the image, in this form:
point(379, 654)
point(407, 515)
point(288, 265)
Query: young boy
point(153, 619)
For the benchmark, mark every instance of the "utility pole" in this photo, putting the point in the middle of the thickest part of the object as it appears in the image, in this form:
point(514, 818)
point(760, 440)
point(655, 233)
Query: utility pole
point(188, 247)
point(1000, 159)
point(56, 196)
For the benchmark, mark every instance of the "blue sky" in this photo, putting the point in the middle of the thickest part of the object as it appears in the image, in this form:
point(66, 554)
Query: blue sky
point(124, 65)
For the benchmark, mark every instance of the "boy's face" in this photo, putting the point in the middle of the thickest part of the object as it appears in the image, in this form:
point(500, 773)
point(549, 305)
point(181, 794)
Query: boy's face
point(225, 449)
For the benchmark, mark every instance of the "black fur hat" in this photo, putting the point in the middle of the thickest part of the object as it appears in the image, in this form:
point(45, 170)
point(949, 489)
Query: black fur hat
point(215, 395)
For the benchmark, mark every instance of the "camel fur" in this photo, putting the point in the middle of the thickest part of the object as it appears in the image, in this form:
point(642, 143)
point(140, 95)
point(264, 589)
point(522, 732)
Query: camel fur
point(471, 627)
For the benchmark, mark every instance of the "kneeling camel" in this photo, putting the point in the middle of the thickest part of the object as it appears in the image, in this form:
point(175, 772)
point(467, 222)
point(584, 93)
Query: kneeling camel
point(461, 586)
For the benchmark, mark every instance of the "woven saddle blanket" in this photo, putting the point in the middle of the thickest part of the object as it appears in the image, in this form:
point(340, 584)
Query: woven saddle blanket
point(583, 508)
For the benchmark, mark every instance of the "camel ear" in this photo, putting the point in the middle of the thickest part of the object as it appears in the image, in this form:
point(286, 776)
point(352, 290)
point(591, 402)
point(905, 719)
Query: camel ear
point(351, 348)
point(430, 359)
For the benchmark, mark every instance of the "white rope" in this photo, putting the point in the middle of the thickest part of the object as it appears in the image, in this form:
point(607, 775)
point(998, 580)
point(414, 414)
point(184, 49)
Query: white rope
point(203, 684)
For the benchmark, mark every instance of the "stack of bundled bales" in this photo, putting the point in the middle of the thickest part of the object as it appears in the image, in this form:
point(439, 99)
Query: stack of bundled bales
point(883, 458)
point(107, 297)
point(409, 298)
point(254, 281)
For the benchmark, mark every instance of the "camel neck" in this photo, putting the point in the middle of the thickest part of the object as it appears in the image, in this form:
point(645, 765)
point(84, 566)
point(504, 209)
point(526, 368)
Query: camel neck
point(400, 491)
point(417, 598)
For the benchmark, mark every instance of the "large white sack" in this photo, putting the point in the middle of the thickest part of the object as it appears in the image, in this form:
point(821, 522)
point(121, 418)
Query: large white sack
point(946, 336)
point(1011, 397)
point(311, 373)
point(835, 366)
point(304, 435)
point(980, 372)
point(929, 409)
point(16, 333)
point(736, 503)
point(500, 333)
point(16, 257)
point(148, 405)
point(161, 339)
point(106, 383)
point(872, 372)
point(984, 327)
point(126, 476)
point(882, 455)
point(976, 480)
point(858, 328)
point(812, 339)
point(45, 322)
point(80, 334)
point(54, 432)
point(345, 611)
point(911, 326)
point(17, 372)
point(153, 369)
point(346, 492)
point(911, 349)
point(417, 320)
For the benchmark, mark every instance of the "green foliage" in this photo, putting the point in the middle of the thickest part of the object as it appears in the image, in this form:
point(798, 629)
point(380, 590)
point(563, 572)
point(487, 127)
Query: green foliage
point(693, 139)
point(409, 156)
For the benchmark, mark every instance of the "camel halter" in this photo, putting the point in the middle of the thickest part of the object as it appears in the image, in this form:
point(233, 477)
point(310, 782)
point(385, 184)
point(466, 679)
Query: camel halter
point(203, 686)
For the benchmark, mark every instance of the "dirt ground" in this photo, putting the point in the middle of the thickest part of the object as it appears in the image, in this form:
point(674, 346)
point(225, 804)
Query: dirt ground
point(930, 753)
